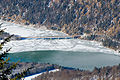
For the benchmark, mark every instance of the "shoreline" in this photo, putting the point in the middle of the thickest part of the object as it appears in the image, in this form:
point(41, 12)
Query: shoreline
point(31, 27)
point(58, 68)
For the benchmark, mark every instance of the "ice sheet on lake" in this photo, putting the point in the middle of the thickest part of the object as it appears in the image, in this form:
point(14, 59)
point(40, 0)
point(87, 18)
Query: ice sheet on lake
point(36, 45)
point(27, 31)
point(64, 45)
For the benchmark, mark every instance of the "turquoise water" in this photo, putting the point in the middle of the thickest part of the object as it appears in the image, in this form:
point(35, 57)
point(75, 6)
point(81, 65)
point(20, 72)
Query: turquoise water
point(81, 60)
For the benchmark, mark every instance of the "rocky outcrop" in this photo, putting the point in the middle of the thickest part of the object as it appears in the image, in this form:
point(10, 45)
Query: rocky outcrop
point(5, 35)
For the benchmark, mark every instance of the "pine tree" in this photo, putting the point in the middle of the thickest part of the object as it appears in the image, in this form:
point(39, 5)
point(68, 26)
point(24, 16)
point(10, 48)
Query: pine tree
point(5, 67)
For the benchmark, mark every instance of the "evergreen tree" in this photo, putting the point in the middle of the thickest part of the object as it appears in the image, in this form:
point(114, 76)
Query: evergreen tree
point(6, 67)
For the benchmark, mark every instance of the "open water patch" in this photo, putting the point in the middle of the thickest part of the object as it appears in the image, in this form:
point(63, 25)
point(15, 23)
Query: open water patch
point(81, 60)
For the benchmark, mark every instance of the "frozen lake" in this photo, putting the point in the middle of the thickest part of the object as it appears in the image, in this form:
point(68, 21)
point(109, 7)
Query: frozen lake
point(75, 53)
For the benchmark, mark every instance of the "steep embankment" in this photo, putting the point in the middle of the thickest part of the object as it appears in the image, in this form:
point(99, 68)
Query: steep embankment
point(93, 19)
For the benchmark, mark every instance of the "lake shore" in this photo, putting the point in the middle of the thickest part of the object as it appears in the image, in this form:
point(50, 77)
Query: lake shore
point(25, 30)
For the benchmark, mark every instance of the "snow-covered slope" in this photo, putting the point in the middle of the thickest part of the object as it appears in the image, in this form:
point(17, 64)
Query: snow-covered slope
point(34, 45)
point(33, 76)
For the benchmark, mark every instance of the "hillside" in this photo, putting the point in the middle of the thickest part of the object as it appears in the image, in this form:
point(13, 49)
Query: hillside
point(66, 73)
point(105, 73)
point(92, 19)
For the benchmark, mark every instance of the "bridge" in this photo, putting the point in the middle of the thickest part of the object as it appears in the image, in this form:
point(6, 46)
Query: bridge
point(50, 38)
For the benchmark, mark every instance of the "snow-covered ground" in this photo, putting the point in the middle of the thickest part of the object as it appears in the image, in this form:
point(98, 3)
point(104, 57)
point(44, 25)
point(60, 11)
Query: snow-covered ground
point(33, 76)
point(35, 45)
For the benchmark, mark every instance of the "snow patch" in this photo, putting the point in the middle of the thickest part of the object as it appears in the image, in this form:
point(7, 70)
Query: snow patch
point(33, 76)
